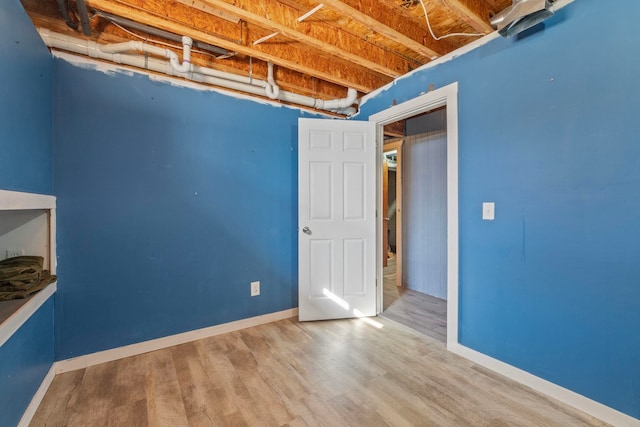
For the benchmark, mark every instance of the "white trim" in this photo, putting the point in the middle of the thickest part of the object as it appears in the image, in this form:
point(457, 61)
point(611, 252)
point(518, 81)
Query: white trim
point(550, 389)
point(53, 229)
point(448, 96)
point(415, 106)
point(37, 398)
point(17, 319)
point(82, 362)
point(17, 200)
point(452, 217)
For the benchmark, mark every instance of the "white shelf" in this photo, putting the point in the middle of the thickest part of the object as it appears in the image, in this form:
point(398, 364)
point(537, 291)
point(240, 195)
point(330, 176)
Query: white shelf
point(9, 326)
point(27, 222)
point(16, 200)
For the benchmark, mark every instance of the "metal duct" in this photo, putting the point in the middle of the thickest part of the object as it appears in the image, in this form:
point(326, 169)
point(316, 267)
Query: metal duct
point(521, 15)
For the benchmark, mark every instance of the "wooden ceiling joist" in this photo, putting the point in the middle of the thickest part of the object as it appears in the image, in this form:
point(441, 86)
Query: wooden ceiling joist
point(196, 4)
point(474, 12)
point(383, 21)
point(288, 80)
point(280, 18)
point(361, 44)
point(291, 56)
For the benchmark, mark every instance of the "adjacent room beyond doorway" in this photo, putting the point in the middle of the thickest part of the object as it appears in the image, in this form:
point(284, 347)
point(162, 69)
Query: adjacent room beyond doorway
point(415, 274)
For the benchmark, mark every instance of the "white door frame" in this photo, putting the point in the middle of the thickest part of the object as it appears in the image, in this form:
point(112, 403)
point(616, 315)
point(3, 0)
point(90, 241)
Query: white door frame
point(445, 96)
point(448, 96)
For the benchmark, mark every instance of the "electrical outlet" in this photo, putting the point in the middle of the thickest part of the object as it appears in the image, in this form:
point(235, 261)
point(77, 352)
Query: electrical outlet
point(255, 289)
point(14, 252)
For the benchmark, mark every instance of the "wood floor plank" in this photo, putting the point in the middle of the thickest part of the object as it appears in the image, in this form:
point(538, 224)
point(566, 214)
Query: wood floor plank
point(130, 414)
point(55, 412)
point(355, 412)
point(94, 397)
point(315, 412)
point(165, 406)
point(199, 394)
point(424, 313)
point(287, 373)
point(220, 369)
point(297, 422)
point(128, 382)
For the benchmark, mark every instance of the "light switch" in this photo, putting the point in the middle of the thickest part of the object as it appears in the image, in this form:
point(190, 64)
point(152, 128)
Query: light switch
point(488, 211)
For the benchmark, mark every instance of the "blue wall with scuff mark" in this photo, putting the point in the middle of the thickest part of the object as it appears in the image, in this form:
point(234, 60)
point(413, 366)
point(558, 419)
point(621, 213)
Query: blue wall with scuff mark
point(170, 202)
point(25, 165)
point(548, 130)
point(26, 112)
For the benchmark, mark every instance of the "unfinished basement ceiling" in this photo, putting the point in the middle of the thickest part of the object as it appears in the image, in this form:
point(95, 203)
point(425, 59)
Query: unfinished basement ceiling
point(318, 48)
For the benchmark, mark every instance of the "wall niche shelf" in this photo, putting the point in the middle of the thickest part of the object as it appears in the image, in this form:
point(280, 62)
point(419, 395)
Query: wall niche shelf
point(27, 227)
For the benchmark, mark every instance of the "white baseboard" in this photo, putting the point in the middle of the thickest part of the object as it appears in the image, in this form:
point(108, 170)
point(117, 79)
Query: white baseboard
point(164, 342)
point(562, 394)
point(37, 398)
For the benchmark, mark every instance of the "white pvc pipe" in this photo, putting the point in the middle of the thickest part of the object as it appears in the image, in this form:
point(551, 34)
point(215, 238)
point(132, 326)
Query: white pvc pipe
point(330, 105)
point(186, 56)
point(136, 46)
point(112, 52)
point(311, 12)
point(265, 38)
point(228, 76)
point(272, 88)
point(167, 53)
point(337, 104)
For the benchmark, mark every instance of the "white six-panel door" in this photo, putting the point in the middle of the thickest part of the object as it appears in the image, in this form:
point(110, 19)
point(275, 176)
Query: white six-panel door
point(336, 219)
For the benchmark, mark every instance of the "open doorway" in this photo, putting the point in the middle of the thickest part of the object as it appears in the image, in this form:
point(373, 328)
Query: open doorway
point(440, 106)
point(414, 202)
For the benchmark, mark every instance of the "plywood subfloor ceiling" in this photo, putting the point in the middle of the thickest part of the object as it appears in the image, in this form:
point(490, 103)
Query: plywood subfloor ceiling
point(359, 44)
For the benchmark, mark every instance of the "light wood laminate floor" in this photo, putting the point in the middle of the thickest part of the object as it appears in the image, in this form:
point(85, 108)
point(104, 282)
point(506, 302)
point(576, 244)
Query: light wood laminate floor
point(424, 313)
point(287, 373)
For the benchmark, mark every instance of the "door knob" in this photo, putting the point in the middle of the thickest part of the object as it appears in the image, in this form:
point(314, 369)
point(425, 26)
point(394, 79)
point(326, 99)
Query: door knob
point(306, 230)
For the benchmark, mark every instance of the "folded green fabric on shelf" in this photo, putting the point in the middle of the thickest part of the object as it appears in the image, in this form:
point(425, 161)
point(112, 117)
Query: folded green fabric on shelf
point(21, 268)
point(22, 276)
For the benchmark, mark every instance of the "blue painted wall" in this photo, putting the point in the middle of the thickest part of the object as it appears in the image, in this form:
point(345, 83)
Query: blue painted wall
point(549, 131)
point(170, 202)
point(25, 104)
point(25, 359)
point(25, 165)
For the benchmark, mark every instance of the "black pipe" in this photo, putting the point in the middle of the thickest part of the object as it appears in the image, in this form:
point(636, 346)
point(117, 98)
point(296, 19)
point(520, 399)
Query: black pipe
point(64, 12)
point(84, 17)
